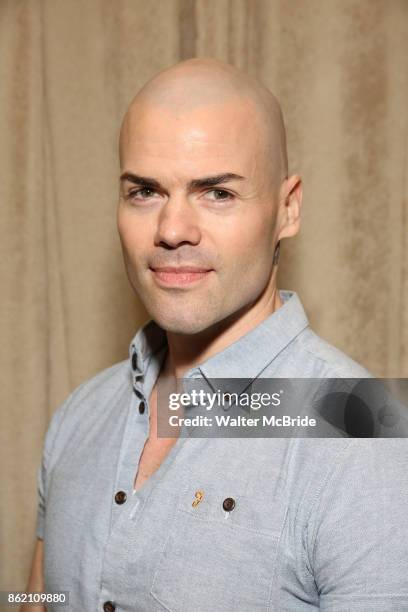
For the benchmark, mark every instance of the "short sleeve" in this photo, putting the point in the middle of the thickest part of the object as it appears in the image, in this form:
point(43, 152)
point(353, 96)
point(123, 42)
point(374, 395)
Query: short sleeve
point(44, 467)
point(41, 499)
point(358, 530)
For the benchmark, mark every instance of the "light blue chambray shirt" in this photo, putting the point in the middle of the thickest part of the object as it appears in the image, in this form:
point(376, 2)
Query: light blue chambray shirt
point(318, 524)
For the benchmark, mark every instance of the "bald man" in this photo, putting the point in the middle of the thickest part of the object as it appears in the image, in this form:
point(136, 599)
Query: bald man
point(131, 520)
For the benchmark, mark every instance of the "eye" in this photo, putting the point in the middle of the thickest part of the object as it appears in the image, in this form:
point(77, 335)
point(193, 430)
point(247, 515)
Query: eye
point(225, 195)
point(143, 192)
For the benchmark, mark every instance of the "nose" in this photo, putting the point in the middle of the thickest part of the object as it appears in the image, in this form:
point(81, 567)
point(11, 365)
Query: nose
point(177, 224)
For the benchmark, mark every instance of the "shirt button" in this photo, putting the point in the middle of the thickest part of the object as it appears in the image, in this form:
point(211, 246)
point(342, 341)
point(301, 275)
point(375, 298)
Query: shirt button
point(120, 497)
point(134, 361)
point(138, 393)
point(228, 504)
point(141, 407)
point(108, 606)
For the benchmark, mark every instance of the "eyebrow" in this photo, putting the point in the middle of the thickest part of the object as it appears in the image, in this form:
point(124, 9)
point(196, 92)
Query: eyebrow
point(207, 181)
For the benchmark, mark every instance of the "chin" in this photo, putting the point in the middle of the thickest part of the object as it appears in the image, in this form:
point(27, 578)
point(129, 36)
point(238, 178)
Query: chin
point(178, 325)
point(178, 322)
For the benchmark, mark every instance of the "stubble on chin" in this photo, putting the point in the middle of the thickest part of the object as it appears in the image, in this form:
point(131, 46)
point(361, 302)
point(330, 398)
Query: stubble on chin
point(188, 318)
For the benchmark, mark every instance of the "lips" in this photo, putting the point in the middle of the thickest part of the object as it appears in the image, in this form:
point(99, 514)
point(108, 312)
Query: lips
point(179, 276)
point(181, 269)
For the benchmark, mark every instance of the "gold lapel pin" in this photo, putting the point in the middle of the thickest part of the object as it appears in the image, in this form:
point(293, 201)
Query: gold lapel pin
point(198, 497)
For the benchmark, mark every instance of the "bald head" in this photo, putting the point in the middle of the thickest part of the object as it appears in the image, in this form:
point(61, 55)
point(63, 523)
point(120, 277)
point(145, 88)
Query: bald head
point(204, 196)
point(203, 85)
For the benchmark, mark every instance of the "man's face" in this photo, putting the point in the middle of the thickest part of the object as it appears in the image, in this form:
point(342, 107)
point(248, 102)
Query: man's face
point(196, 253)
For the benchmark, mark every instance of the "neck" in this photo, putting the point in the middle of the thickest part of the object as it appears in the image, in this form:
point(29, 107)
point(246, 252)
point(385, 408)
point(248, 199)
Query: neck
point(185, 352)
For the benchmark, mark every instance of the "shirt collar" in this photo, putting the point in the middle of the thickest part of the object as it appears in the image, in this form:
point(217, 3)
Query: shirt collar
point(245, 358)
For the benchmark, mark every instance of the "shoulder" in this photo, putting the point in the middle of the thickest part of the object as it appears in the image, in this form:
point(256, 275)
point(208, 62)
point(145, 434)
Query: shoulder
point(102, 385)
point(98, 395)
point(108, 379)
point(321, 359)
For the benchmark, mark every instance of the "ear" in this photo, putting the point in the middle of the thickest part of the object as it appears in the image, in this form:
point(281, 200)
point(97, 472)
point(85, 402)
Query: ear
point(290, 204)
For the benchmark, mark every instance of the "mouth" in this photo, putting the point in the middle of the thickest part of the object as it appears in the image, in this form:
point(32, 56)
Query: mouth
point(182, 276)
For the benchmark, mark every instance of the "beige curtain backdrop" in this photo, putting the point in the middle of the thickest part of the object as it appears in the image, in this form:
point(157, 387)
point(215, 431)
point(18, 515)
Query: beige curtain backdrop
point(68, 68)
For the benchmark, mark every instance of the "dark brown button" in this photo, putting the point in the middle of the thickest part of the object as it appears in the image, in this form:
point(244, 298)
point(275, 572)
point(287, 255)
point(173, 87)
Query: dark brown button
point(142, 406)
point(228, 504)
point(138, 393)
point(120, 497)
point(134, 361)
point(108, 606)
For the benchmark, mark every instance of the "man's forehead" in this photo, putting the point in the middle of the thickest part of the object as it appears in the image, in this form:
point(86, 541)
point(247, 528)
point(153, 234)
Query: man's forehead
point(206, 132)
point(154, 121)
point(183, 170)
point(203, 146)
point(193, 159)
point(179, 155)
